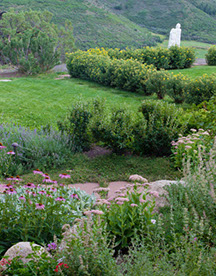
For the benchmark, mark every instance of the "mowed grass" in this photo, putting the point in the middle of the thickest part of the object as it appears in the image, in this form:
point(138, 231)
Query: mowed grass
point(196, 71)
point(201, 48)
point(32, 102)
point(37, 101)
point(108, 168)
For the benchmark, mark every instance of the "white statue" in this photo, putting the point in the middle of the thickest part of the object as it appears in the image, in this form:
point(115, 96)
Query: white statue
point(175, 36)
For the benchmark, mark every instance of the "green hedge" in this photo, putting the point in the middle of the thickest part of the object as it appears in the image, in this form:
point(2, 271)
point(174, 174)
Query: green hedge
point(173, 58)
point(129, 74)
point(211, 56)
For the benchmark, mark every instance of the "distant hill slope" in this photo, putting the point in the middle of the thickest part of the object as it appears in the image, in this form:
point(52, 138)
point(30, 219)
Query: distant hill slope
point(94, 25)
point(197, 17)
point(121, 23)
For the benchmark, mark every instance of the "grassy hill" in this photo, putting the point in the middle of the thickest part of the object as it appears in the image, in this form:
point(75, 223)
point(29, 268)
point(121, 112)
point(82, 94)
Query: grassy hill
point(197, 17)
point(93, 24)
point(122, 23)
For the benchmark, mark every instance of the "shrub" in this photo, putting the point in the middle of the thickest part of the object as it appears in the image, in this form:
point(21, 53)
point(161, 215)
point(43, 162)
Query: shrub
point(127, 74)
point(157, 83)
point(163, 126)
point(176, 87)
point(162, 58)
point(211, 56)
point(31, 42)
point(201, 89)
point(76, 126)
point(41, 149)
point(116, 131)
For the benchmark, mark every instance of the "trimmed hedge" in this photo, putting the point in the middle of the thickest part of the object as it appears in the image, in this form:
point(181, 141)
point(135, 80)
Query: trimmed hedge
point(129, 74)
point(173, 58)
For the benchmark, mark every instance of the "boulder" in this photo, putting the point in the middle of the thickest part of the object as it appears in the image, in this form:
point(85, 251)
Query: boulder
point(22, 249)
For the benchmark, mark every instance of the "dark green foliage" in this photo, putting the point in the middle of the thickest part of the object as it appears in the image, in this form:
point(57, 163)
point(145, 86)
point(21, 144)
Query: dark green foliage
point(211, 56)
point(76, 126)
point(163, 126)
point(31, 42)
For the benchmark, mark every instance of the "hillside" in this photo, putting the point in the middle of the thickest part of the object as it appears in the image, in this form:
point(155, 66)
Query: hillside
point(122, 23)
point(93, 25)
point(197, 17)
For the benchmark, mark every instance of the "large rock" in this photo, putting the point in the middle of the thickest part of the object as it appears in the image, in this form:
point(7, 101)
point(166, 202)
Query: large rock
point(22, 249)
point(157, 187)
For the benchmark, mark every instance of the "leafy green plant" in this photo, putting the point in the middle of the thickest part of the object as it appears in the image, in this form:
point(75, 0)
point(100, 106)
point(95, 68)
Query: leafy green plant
point(49, 208)
point(163, 125)
point(211, 56)
point(130, 213)
point(176, 86)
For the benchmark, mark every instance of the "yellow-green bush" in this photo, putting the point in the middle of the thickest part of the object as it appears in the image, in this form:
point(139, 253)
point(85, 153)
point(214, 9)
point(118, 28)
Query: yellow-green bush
point(173, 58)
point(211, 56)
point(201, 89)
point(129, 74)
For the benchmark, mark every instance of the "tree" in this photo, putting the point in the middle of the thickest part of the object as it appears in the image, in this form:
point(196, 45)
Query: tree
point(31, 42)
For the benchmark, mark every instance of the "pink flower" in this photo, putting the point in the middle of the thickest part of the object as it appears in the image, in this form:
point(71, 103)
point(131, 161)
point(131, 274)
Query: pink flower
point(62, 184)
point(154, 193)
point(2, 147)
point(97, 212)
point(45, 175)
point(8, 186)
point(37, 171)
point(22, 198)
point(17, 178)
point(122, 199)
point(40, 206)
point(29, 185)
point(47, 180)
point(134, 205)
point(11, 191)
point(60, 198)
point(175, 152)
point(142, 200)
point(28, 192)
point(188, 147)
point(11, 152)
point(48, 195)
point(119, 202)
point(64, 175)
point(42, 192)
point(53, 189)
point(74, 196)
point(153, 221)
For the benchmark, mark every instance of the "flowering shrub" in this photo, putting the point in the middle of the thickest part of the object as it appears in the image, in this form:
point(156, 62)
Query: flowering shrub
point(34, 149)
point(157, 83)
point(161, 58)
point(49, 208)
point(200, 89)
point(187, 147)
point(211, 55)
point(127, 74)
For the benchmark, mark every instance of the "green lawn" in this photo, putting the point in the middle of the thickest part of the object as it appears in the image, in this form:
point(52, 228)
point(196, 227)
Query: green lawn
point(196, 71)
point(36, 101)
point(33, 102)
